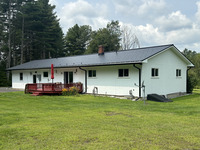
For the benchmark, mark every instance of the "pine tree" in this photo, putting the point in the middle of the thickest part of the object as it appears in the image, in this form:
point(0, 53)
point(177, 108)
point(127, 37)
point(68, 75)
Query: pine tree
point(8, 9)
point(29, 30)
point(77, 39)
point(39, 31)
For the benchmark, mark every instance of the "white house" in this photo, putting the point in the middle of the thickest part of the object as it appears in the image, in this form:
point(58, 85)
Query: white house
point(162, 69)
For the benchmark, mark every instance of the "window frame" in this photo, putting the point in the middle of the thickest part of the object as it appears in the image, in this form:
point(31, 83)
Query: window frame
point(92, 73)
point(178, 73)
point(21, 76)
point(123, 73)
point(154, 72)
point(45, 73)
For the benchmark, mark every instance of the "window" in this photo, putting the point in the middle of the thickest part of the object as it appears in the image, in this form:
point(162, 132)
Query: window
point(21, 76)
point(68, 77)
point(123, 73)
point(178, 72)
point(45, 74)
point(92, 73)
point(154, 72)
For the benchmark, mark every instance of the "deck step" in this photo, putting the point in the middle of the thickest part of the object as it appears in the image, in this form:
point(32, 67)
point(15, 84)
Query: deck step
point(36, 94)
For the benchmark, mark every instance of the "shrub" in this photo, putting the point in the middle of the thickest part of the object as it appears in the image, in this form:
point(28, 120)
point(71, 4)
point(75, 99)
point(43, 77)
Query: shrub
point(191, 82)
point(71, 91)
point(64, 91)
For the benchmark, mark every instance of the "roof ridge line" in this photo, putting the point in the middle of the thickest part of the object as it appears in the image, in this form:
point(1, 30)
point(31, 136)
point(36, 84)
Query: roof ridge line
point(105, 52)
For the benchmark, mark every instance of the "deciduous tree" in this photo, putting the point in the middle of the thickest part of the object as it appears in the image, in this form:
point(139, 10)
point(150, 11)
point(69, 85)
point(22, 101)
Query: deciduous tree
point(109, 37)
point(128, 38)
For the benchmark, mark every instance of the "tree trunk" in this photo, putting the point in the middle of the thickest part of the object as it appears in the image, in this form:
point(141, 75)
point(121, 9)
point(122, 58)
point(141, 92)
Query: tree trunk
point(22, 41)
point(9, 40)
point(49, 55)
point(44, 53)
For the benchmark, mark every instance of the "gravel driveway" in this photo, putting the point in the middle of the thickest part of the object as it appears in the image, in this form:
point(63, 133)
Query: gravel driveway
point(9, 89)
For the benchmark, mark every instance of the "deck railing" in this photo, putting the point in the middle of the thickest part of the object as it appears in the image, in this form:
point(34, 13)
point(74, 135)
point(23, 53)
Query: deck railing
point(51, 87)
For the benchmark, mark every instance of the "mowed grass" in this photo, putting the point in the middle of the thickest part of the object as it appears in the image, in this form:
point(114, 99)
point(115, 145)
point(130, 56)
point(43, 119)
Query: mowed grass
point(88, 122)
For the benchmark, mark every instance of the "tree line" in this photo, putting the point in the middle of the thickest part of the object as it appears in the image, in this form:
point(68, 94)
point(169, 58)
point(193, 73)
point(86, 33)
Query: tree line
point(193, 79)
point(30, 30)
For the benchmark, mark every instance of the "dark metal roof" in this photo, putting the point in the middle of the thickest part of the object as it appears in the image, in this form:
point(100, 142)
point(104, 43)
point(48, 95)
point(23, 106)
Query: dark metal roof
point(109, 58)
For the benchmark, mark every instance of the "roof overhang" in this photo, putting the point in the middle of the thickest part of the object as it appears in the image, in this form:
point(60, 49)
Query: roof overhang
point(95, 65)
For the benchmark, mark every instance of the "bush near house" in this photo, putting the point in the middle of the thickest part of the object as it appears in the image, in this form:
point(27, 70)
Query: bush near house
point(70, 91)
point(88, 122)
point(192, 82)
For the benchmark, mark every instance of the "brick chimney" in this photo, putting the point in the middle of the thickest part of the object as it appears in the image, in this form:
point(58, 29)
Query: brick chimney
point(101, 50)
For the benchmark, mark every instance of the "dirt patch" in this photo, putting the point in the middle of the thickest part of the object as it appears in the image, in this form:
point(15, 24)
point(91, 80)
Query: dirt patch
point(9, 89)
point(114, 113)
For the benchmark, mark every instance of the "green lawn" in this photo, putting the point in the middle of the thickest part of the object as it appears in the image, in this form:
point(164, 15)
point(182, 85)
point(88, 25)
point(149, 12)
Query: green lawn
point(87, 122)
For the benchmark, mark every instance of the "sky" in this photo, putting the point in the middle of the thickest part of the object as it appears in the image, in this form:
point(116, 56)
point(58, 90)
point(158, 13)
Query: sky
point(154, 22)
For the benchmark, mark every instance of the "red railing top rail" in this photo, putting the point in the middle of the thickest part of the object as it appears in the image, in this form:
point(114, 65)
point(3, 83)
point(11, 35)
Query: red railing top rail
point(51, 87)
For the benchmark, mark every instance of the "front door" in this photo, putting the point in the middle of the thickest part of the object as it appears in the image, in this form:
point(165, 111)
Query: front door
point(68, 77)
point(34, 78)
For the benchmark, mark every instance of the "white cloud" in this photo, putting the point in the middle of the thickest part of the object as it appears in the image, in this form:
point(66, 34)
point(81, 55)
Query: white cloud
point(83, 13)
point(143, 8)
point(79, 8)
point(152, 8)
point(128, 7)
point(149, 35)
point(156, 22)
point(53, 2)
point(182, 38)
point(173, 21)
point(190, 46)
point(198, 12)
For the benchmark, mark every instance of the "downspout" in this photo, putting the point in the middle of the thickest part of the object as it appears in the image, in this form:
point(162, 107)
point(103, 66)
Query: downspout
point(187, 79)
point(139, 79)
point(85, 79)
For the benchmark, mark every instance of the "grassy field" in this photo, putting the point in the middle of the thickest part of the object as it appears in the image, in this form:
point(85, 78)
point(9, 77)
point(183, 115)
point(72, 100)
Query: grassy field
point(87, 122)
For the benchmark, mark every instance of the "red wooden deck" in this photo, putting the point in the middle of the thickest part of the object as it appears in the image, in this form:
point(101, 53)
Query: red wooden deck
point(50, 88)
